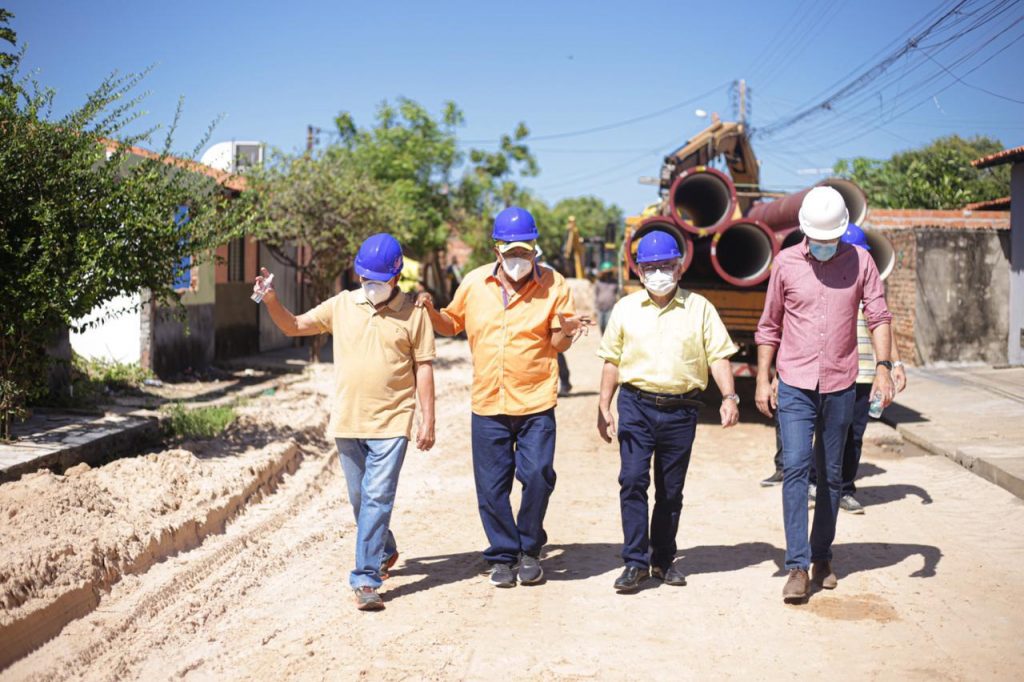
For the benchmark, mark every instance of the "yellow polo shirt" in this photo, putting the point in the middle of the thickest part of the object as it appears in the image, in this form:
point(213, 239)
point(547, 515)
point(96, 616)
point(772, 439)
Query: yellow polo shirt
point(374, 356)
point(515, 367)
point(665, 350)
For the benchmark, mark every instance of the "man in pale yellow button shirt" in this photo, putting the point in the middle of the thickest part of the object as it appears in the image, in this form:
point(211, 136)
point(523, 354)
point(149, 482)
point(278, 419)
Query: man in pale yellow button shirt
point(659, 345)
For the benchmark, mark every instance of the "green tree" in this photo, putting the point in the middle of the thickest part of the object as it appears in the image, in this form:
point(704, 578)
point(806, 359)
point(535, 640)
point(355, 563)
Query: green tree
point(442, 188)
point(82, 220)
point(936, 176)
point(326, 202)
point(411, 154)
point(592, 217)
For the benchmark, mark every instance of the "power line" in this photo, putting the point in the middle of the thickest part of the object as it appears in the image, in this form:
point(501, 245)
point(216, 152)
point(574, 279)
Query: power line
point(988, 14)
point(864, 78)
point(975, 87)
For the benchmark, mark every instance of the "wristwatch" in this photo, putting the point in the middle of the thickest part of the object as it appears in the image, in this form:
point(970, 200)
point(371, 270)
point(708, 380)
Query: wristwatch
point(733, 397)
point(898, 363)
point(884, 363)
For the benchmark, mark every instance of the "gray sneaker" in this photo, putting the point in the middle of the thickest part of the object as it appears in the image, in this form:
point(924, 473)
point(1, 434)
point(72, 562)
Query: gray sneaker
point(530, 572)
point(367, 599)
point(812, 495)
point(502, 575)
point(850, 504)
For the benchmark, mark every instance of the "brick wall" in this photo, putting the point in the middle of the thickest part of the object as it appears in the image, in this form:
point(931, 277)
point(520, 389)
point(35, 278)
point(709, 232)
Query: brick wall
point(901, 291)
point(903, 228)
point(888, 218)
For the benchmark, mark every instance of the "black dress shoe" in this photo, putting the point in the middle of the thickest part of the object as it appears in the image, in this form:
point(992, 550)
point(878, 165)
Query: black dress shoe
point(630, 578)
point(670, 576)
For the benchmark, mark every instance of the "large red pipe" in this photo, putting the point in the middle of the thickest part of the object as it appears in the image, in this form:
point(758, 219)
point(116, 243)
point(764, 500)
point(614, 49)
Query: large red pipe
point(743, 251)
point(784, 213)
point(882, 252)
point(663, 224)
point(702, 200)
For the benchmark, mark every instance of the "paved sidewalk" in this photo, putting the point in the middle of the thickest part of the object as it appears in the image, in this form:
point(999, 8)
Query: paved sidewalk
point(59, 439)
point(973, 415)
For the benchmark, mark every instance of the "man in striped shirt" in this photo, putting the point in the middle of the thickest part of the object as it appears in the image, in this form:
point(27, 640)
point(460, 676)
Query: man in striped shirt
point(862, 398)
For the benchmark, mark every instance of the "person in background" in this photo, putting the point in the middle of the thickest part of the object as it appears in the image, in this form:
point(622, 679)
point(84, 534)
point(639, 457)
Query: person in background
point(865, 378)
point(606, 293)
point(862, 398)
point(383, 355)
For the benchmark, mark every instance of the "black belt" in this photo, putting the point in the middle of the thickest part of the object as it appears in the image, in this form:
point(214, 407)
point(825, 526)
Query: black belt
point(665, 400)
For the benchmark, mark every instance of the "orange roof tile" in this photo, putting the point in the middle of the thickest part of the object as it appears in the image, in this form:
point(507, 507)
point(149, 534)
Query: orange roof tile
point(1006, 156)
point(1000, 204)
point(223, 178)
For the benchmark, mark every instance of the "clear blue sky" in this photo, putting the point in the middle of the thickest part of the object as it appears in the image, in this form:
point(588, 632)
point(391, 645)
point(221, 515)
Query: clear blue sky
point(272, 68)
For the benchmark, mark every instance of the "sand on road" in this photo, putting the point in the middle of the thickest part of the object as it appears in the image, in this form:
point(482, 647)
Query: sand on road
point(930, 576)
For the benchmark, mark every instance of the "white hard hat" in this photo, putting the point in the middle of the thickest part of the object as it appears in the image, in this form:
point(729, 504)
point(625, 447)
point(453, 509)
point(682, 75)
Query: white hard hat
point(823, 214)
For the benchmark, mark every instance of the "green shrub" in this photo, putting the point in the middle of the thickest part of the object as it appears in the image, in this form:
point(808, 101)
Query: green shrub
point(199, 422)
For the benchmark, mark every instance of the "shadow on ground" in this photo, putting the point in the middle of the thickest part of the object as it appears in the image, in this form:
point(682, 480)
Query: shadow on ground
point(871, 495)
point(580, 561)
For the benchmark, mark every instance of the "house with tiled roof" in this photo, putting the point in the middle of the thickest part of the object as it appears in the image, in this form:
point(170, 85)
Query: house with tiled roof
point(1015, 204)
point(221, 321)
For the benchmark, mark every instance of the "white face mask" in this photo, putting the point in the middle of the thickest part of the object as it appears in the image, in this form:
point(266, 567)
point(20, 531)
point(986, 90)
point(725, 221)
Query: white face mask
point(661, 281)
point(516, 268)
point(377, 292)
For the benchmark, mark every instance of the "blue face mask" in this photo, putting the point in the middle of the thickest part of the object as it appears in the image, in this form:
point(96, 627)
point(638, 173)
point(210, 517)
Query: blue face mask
point(823, 252)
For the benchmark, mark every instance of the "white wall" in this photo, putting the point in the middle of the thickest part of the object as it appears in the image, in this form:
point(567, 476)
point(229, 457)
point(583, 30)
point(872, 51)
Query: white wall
point(114, 338)
point(1015, 347)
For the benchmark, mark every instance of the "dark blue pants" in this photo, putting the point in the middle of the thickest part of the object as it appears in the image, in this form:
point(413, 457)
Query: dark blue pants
point(667, 434)
point(854, 440)
point(524, 448)
point(802, 412)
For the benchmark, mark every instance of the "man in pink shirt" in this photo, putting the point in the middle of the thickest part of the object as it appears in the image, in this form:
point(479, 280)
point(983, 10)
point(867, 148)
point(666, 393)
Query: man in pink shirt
point(810, 322)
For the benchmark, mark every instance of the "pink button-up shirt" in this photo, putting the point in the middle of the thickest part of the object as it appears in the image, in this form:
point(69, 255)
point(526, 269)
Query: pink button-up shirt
point(810, 315)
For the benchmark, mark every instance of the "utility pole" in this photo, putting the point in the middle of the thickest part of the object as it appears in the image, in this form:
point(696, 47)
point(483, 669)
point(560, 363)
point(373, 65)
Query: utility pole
point(309, 138)
point(743, 102)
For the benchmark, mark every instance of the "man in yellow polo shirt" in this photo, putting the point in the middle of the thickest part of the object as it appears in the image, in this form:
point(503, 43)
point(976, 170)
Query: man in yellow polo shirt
point(518, 316)
point(659, 345)
point(383, 354)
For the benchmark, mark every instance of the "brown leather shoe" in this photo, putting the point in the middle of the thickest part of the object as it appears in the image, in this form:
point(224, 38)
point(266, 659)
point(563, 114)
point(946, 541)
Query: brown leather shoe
point(795, 590)
point(822, 574)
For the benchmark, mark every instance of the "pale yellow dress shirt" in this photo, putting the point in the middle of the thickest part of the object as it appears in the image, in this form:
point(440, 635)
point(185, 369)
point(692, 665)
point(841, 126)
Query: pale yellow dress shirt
point(665, 350)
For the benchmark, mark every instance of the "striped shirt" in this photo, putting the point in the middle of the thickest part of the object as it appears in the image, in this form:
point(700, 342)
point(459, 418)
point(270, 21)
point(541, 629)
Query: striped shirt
point(865, 351)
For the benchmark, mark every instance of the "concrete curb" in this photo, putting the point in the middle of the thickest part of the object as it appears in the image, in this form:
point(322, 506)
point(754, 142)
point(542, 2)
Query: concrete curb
point(998, 465)
point(136, 431)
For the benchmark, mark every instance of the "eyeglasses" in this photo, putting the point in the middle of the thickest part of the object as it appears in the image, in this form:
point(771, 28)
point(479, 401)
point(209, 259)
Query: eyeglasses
point(664, 268)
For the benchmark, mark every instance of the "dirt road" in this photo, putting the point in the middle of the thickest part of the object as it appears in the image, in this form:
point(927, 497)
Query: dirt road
point(931, 577)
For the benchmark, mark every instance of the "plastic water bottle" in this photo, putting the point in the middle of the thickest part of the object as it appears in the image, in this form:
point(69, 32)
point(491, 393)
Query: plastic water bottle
point(261, 291)
point(875, 408)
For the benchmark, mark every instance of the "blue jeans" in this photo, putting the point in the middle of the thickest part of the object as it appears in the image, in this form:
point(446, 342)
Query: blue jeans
point(371, 467)
point(524, 448)
point(667, 434)
point(854, 441)
point(801, 413)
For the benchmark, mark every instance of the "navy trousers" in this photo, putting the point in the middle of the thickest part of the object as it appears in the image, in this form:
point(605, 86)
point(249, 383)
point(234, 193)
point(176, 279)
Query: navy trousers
point(507, 448)
point(667, 435)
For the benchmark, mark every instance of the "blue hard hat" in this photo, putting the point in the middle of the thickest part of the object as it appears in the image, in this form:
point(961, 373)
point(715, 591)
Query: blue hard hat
point(514, 224)
point(379, 257)
point(657, 245)
point(854, 235)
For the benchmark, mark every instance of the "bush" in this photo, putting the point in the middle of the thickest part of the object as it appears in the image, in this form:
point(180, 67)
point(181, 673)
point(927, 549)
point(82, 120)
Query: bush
point(199, 422)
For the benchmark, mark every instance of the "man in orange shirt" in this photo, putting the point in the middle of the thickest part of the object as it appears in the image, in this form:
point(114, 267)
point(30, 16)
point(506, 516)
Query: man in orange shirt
point(518, 315)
